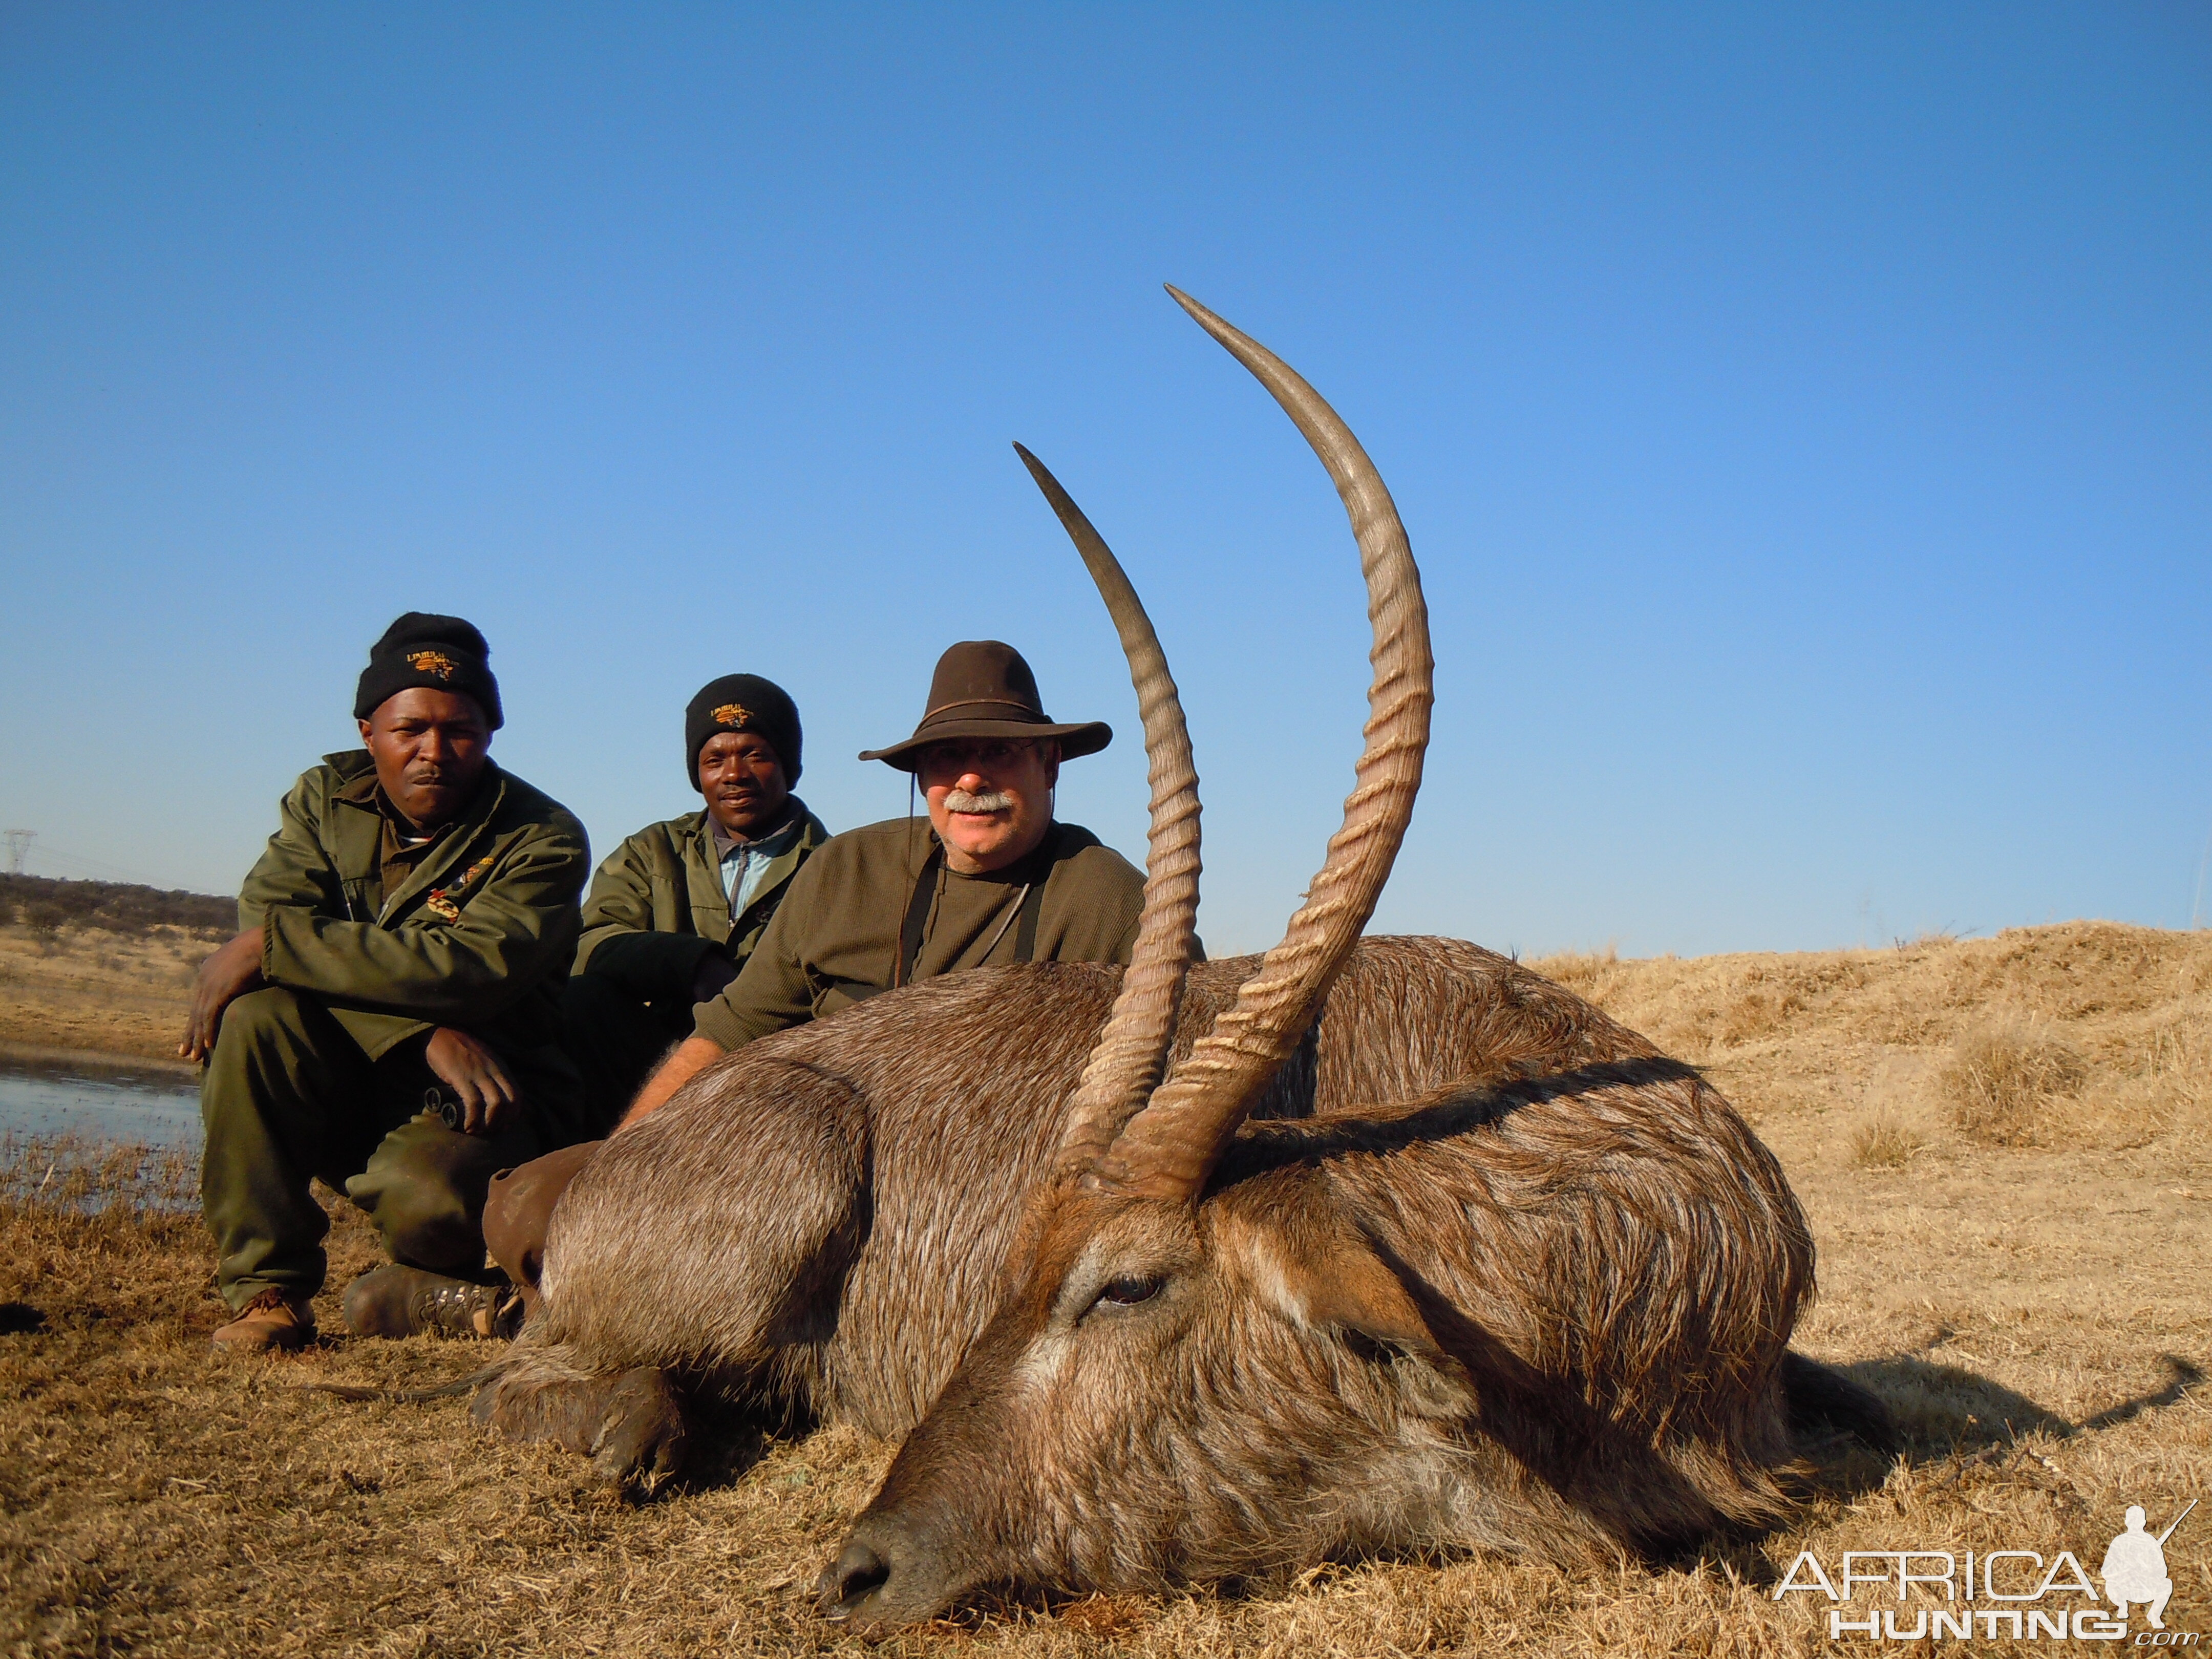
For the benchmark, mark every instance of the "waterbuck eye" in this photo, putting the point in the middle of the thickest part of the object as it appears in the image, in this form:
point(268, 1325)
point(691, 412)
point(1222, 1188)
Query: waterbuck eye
point(1127, 1293)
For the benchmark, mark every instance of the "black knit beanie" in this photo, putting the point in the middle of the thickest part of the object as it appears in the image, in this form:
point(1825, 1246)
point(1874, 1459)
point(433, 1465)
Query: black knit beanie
point(442, 652)
point(742, 702)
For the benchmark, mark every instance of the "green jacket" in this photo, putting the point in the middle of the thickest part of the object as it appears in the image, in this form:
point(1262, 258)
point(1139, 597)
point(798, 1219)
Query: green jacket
point(839, 941)
point(657, 906)
point(478, 937)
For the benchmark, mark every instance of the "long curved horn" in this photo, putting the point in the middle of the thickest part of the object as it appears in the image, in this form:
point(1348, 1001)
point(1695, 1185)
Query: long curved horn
point(1132, 1051)
point(1168, 1149)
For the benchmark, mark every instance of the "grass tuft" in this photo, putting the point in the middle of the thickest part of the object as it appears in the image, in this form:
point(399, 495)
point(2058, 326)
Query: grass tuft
point(1999, 1079)
point(1885, 1141)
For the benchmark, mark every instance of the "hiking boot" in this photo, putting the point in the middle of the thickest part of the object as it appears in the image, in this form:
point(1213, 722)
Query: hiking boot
point(397, 1301)
point(271, 1322)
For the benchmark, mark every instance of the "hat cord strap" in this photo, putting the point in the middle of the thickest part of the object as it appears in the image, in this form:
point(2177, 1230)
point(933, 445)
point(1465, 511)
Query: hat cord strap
point(1020, 909)
point(917, 913)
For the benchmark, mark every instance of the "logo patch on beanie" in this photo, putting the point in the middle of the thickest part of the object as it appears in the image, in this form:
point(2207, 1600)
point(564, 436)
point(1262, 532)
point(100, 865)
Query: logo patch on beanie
point(435, 663)
point(734, 713)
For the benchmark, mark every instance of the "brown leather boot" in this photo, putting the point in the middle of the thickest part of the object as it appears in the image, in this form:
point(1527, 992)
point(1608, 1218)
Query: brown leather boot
point(272, 1321)
point(397, 1301)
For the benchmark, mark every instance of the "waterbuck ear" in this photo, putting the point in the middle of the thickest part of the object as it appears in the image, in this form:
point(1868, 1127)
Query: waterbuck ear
point(1320, 1273)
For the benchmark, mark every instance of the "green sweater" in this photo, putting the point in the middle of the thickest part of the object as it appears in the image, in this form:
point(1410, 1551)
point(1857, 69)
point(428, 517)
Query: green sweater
point(657, 906)
point(478, 936)
point(835, 940)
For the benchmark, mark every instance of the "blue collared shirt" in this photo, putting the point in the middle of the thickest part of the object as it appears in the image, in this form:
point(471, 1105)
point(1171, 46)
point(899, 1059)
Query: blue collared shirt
point(744, 863)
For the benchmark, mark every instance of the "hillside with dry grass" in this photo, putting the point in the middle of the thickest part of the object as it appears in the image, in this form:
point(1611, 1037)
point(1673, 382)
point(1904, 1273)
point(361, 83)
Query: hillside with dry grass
point(124, 993)
point(2086, 1035)
point(2003, 1146)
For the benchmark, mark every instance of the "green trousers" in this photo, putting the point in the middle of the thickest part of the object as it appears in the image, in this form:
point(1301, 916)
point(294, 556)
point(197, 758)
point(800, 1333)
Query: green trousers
point(615, 1040)
point(289, 1096)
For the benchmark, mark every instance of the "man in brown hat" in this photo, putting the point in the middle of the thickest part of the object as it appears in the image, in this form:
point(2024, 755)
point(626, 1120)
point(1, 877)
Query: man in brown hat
point(995, 879)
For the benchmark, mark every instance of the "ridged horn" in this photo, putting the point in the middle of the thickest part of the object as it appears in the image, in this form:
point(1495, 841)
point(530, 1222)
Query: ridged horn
point(1169, 1148)
point(1131, 1050)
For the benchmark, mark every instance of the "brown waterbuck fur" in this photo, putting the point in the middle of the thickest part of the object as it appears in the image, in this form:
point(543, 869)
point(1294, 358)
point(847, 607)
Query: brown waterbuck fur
point(1184, 1273)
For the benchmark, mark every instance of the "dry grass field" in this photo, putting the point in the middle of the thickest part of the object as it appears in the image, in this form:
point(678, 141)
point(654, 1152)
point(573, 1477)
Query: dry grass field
point(2005, 1147)
point(88, 991)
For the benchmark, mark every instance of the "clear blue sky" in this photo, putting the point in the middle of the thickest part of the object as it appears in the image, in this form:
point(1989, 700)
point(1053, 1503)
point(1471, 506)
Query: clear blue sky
point(1802, 416)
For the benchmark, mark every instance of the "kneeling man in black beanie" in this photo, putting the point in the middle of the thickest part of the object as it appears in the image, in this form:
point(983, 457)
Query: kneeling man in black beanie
point(389, 1018)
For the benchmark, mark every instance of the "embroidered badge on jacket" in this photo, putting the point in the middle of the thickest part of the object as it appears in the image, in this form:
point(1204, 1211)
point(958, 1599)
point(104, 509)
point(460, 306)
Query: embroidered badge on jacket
point(440, 903)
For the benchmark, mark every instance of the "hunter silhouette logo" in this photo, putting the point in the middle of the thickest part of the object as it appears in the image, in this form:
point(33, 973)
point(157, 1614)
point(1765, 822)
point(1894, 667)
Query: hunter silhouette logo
point(2135, 1567)
point(436, 663)
point(2009, 1593)
point(733, 713)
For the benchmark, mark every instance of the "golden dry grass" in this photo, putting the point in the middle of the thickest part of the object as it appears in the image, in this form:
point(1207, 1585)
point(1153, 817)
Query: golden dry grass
point(2036, 1315)
point(1884, 1140)
point(2006, 1083)
point(89, 990)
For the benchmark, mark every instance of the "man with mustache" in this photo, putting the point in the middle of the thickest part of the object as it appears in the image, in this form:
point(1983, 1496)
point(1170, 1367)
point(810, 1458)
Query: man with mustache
point(389, 1018)
point(994, 879)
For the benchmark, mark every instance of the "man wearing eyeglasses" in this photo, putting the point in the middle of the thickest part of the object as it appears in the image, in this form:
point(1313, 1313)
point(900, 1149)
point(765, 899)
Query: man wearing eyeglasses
point(994, 879)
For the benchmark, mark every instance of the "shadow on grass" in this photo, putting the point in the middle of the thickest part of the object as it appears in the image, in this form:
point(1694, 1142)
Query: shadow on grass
point(1945, 1409)
point(725, 1440)
point(1948, 1414)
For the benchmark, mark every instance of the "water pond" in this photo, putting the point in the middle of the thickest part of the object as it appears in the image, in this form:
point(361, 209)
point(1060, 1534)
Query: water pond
point(152, 1107)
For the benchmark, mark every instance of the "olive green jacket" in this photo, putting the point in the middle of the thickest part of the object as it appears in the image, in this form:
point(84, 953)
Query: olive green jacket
point(478, 937)
point(657, 906)
point(838, 941)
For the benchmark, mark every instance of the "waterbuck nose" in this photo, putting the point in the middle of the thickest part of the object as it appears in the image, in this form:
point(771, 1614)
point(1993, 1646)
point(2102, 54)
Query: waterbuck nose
point(848, 1580)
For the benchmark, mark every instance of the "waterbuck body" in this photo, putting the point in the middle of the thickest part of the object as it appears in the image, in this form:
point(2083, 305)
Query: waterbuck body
point(823, 1221)
point(1601, 1262)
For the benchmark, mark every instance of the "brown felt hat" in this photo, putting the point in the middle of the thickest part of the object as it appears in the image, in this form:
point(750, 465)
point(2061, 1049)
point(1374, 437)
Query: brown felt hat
point(982, 688)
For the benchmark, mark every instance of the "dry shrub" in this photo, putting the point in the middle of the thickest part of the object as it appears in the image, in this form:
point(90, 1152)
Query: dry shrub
point(1998, 1079)
point(44, 919)
point(44, 904)
point(1579, 971)
point(2161, 1084)
point(1885, 1141)
point(1756, 1014)
point(2178, 1066)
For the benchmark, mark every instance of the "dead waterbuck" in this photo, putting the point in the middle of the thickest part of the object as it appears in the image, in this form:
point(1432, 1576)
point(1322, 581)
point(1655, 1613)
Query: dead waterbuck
point(1366, 1245)
point(1548, 1311)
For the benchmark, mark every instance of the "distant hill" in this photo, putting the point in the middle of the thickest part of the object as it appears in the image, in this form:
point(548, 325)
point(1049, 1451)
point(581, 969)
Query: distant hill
point(44, 904)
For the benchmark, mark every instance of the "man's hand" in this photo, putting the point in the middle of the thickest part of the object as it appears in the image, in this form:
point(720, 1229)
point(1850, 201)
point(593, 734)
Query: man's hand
point(714, 971)
point(472, 1071)
point(228, 975)
point(692, 1056)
